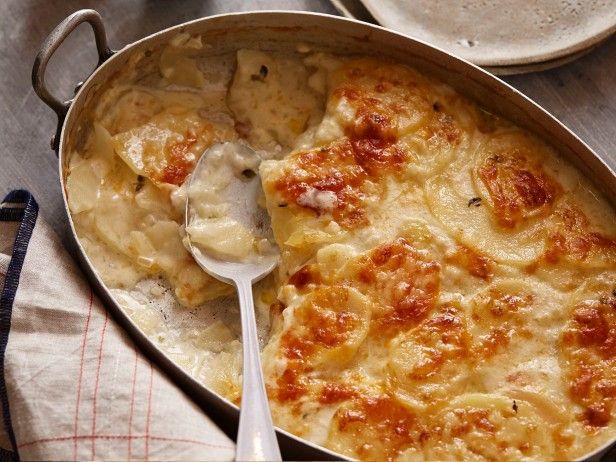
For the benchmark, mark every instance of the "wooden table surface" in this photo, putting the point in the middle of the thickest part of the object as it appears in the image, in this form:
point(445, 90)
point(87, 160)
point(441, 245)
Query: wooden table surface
point(581, 94)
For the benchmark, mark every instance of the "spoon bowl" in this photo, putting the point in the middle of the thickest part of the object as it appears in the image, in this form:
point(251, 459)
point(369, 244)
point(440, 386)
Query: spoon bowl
point(242, 192)
point(229, 271)
point(256, 438)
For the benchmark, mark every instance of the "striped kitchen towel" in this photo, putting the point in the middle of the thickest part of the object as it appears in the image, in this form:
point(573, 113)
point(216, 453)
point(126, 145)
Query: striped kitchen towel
point(72, 384)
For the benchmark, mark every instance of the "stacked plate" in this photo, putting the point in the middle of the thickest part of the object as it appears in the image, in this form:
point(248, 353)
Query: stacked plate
point(503, 36)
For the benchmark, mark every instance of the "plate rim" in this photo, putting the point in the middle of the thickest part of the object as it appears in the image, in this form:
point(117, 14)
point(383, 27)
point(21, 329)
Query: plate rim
point(528, 59)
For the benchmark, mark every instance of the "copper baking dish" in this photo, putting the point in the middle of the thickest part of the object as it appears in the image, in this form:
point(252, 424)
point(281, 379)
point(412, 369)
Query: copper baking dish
point(279, 30)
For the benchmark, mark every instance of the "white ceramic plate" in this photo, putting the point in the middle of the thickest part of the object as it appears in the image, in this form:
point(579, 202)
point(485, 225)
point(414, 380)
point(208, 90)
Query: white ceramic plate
point(500, 33)
point(543, 65)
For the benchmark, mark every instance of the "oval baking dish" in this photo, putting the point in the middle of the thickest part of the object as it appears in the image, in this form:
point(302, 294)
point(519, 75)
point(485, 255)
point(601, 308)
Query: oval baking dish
point(281, 31)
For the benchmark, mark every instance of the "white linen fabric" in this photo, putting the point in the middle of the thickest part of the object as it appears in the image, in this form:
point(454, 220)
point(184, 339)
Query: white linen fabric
point(72, 384)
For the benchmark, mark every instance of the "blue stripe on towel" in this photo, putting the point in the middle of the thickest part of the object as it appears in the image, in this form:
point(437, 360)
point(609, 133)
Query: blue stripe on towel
point(17, 206)
point(7, 456)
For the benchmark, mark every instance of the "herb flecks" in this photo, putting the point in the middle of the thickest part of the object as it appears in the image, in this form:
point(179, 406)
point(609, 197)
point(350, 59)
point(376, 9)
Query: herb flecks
point(515, 407)
point(248, 173)
point(263, 71)
point(140, 183)
point(476, 201)
point(283, 205)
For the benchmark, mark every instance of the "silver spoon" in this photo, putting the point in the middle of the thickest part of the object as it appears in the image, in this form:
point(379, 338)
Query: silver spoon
point(256, 438)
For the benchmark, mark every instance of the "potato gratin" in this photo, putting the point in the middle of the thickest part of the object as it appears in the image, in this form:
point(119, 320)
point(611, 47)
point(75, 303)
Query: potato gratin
point(447, 284)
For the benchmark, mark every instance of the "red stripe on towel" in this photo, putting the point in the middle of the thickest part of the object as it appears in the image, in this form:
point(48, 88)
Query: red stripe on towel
point(122, 437)
point(98, 373)
point(132, 407)
point(149, 414)
point(83, 350)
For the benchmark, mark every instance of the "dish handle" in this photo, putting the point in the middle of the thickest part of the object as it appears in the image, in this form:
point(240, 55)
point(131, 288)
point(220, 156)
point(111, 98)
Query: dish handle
point(48, 48)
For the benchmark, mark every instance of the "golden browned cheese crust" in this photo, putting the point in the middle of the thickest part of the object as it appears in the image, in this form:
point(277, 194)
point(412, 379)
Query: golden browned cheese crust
point(459, 284)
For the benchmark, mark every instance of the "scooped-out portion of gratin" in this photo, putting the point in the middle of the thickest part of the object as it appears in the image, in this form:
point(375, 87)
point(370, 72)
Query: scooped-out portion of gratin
point(447, 282)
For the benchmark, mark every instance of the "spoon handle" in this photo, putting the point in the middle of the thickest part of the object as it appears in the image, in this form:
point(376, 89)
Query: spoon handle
point(256, 438)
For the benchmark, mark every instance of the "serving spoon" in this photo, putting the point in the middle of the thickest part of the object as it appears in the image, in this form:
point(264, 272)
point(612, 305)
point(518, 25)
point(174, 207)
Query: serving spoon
point(256, 438)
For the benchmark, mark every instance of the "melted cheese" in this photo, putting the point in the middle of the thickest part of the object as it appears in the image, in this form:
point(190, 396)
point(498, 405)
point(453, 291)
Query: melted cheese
point(144, 142)
point(496, 199)
point(386, 103)
point(447, 282)
point(167, 148)
point(466, 236)
point(271, 98)
point(588, 346)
